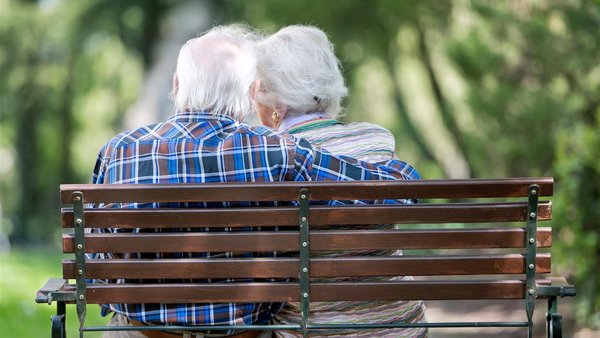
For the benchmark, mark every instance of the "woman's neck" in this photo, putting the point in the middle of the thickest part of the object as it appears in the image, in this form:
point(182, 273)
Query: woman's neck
point(294, 120)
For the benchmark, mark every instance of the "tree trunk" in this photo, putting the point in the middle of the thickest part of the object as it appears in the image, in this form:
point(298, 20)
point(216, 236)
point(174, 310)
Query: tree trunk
point(27, 153)
point(441, 103)
point(413, 133)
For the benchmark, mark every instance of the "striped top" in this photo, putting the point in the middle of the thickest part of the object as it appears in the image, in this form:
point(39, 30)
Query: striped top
point(371, 143)
point(349, 139)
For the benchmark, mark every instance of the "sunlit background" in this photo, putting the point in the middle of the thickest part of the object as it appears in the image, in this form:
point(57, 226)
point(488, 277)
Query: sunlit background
point(469, 88)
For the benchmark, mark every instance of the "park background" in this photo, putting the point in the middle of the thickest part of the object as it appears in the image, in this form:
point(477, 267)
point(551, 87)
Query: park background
point(469, 88)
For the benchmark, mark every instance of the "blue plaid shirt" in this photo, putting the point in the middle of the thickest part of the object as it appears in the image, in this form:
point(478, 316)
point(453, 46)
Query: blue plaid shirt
point(201, 147)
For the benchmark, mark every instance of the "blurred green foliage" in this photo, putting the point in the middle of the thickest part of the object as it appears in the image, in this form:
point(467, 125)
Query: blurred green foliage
point(469, 88)
point(67, 75)
point(18, 286)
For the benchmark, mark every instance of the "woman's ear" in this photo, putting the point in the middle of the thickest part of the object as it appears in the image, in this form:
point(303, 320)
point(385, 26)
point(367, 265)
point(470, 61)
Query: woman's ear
point(282, 110)
point(175, 85)
point(254, 87)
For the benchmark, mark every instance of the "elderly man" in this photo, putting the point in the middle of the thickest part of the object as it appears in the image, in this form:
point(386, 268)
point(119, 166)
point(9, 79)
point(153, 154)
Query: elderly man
point(205, 141)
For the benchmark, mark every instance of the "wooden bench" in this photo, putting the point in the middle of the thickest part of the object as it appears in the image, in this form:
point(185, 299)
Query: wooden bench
point(499, 254)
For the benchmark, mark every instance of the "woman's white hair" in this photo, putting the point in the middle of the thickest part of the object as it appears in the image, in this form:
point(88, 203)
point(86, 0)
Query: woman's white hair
point(215, 72)
point(298, 69)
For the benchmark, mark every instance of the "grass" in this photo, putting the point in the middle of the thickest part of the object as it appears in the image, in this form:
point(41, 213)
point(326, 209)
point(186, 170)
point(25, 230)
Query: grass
point(22, 273)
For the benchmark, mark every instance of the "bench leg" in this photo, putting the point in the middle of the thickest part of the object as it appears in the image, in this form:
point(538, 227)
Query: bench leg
point(58, 321)
point(553, 320)
point(58, 326)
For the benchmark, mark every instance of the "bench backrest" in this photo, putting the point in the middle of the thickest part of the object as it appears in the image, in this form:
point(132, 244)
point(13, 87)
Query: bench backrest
point(499, 214)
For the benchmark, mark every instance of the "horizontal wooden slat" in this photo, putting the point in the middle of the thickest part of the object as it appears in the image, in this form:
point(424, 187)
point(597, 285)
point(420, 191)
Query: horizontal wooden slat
point(425, 265)
point(319, 267)
point(319, 240)
point(273, 292)
point(319, 215)
point(285, 191)
point(177, 218)
point(185, 268)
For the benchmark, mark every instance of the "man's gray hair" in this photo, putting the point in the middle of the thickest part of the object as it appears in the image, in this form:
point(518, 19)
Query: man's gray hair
point(215, 72)
point(298, 69)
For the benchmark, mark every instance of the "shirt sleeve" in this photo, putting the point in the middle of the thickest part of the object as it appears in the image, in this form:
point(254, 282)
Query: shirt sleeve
point(100, 167)
point(98, 176)
point(314, 164)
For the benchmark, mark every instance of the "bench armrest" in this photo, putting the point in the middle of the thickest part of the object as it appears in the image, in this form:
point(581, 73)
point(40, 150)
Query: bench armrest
point(54, 290)
point(559, 288)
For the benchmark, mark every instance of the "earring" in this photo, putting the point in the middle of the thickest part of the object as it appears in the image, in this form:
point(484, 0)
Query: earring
point(276, 117)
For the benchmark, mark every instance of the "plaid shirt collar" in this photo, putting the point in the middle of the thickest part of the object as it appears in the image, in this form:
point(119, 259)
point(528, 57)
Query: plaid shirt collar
point(187, 117)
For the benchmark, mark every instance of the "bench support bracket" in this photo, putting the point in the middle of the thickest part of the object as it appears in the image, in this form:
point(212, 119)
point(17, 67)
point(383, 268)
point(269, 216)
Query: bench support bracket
point(79, 226)
point(530, 254)
point(304, 243)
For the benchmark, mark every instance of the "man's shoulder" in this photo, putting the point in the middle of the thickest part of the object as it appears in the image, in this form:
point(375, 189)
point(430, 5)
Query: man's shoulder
point(129, 136)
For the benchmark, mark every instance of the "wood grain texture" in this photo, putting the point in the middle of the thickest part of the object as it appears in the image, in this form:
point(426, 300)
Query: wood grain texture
point(319, 267)
point(319, 215)
point(287, 191)
point(271, 292)
point(322, 240)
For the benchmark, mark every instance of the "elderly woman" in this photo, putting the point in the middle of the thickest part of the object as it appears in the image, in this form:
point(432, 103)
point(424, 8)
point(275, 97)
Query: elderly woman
point(299, 92)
